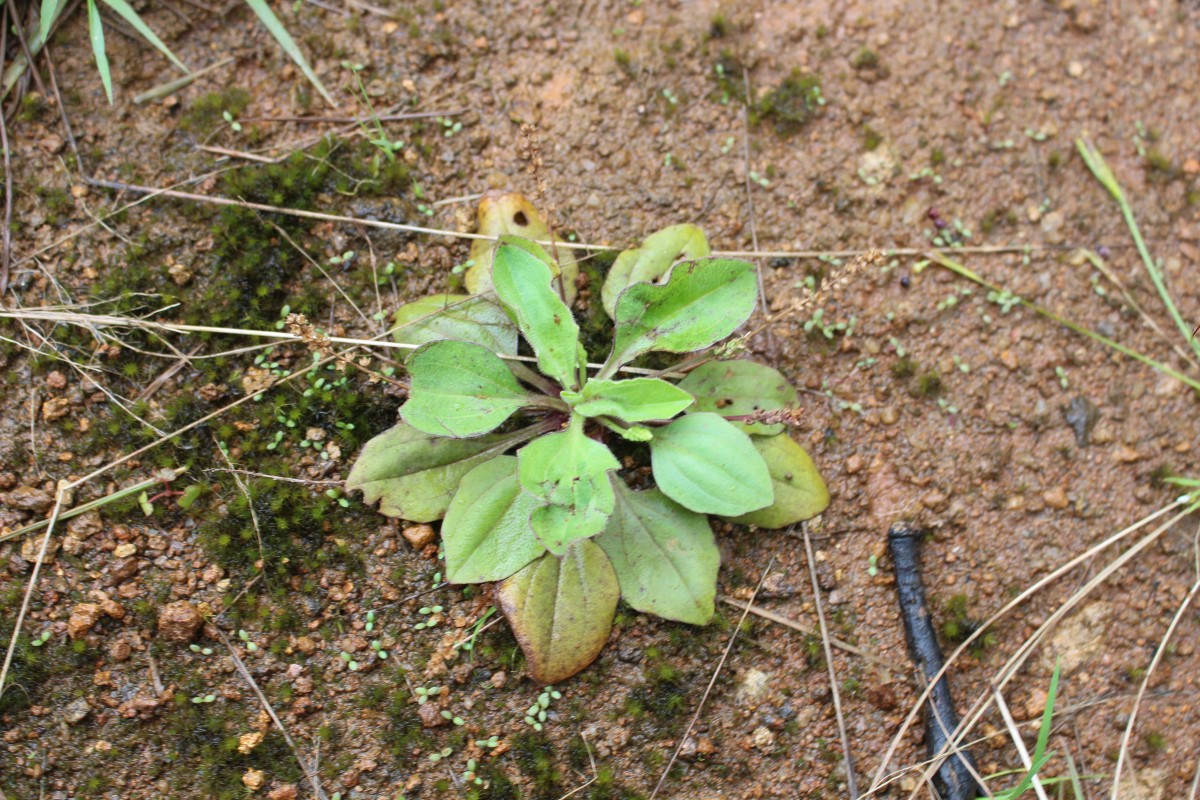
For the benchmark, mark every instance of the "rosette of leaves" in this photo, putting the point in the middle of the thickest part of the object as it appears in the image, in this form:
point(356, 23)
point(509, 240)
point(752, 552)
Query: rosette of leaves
point(518, 460)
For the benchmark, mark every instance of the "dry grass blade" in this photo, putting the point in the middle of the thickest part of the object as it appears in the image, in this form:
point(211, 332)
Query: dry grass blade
point(6, 234)
point(1018, 743)
point(762, 293)
point(1154, 662)
point(886, 666)
point(881, 776)
point(1018, 659)
point(151, 192)
point(66, 487)
point(308, 770)
point(712, 682)
point(851, 780)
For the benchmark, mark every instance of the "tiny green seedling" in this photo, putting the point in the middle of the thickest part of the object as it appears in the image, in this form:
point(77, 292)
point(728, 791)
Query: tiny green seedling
point(556, 525)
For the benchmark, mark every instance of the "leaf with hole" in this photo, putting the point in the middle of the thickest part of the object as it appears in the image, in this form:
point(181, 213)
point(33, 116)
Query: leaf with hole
point(413, 475)
point(738, 388)
point(460, 389)
point(486, 535)
point(568, 473)
point(700, 304)
point(561, 610)
point(633, 400)
point(665, 556)
point(455, 316)
point(651, 260)
point(510, 214)
point(706, 464)
point(800, 493)
point(522, 282)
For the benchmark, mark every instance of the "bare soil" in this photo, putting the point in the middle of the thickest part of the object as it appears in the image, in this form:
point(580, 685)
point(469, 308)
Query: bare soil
point(928, 401)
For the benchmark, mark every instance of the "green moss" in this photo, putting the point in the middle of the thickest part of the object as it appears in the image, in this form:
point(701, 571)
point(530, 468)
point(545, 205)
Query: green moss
point(1156, 741)
point(624, 62)
point(1054, 160)
point(929, 384)
point(864, 58)
point(55, 202)
point(1159, 166)
point(791, 105)
point(958, 624)
point(532, 752)
point(718, 28)
point(206, 113)
point(905, 368)
point(871, 138)
point(937, 157)
point(32, 106)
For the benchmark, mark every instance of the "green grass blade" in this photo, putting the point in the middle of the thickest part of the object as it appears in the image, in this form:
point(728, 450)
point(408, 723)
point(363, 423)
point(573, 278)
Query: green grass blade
point(959, 269)
point(50, 11)
point(1099, 167)
point(289, 45)
point(96, 34)
point(1040, 756)
point(129, 15)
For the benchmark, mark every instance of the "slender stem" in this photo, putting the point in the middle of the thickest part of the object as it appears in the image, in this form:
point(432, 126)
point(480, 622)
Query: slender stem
point(97, 503)
point(548, 403)
point(1099, 167)
point(534, 379)
point(959, 269)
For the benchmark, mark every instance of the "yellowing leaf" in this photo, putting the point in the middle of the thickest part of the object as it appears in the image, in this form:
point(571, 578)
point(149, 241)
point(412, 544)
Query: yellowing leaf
point(561, 610)
point(800, 492)
point(510, 214)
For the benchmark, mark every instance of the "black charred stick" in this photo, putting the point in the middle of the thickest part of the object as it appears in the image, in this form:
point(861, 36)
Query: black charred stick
point(956, 775)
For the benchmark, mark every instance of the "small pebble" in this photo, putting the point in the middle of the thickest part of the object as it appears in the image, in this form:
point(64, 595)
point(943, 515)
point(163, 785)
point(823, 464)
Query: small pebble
point(418, 535)
point(179, 621)
point(1056, 498)
point(83, 617)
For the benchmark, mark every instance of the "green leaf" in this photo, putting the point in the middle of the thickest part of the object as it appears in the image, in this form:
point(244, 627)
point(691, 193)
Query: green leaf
point(561, 610)
point(96, 35)
point(510, 214)
point(50, 10)
point(735, 388)
point(486, 534)
point(413, 475)
point(455, 316)
point(652, 259)
point(634, 400)
point(459, 389)
point(129, 15)
point(522, 282)
point(568, 473)
point(701, 303)
point(277, 30)
point(665, 556)
point(704, 463)
point(800, 492)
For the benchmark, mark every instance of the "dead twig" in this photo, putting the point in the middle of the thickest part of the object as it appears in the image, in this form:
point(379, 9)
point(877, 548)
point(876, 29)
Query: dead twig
point(762, 293)
point(62, 109)
point(851, 780)
point(6, 235)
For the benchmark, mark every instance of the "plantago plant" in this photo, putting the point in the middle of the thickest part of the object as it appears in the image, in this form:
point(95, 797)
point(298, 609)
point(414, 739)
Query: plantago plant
point(520, 463)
